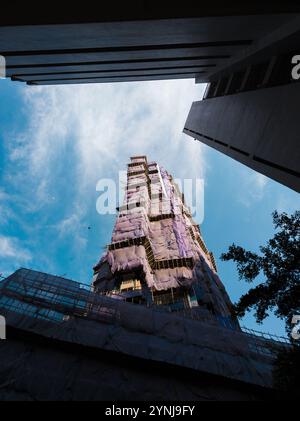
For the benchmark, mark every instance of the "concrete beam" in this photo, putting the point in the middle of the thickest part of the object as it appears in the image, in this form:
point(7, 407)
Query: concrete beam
point(283, 39)
point(257, 128)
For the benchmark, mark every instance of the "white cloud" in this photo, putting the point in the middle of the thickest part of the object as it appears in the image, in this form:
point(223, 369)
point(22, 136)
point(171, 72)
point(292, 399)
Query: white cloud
point(7, 213)
point(82, 133)
point(10, 248)
point(260, 181)
point(101, 126)
point(252, 186)
point(287, 201)
point(71, 226)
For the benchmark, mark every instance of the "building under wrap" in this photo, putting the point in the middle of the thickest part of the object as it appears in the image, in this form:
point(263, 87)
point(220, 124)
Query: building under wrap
point(157, 255)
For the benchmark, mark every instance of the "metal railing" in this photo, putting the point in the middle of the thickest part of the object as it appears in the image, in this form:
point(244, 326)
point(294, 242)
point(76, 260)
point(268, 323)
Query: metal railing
point(265, 335)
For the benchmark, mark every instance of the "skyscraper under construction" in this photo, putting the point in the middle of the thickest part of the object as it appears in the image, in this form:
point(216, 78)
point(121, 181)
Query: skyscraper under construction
point(157, 255)
point(157, 324)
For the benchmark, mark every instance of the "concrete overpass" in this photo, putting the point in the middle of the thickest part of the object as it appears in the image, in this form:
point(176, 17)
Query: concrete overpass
point(243, 51)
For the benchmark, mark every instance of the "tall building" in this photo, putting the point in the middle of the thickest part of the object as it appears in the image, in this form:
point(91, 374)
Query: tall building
point(249, 111)
point(156, 324)
point(157, 255)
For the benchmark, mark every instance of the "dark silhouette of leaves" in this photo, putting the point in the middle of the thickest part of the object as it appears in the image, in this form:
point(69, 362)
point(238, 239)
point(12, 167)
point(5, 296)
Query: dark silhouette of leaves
point(279, 263)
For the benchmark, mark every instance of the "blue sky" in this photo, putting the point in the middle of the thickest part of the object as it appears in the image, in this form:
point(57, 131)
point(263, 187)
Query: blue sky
point(57, 142)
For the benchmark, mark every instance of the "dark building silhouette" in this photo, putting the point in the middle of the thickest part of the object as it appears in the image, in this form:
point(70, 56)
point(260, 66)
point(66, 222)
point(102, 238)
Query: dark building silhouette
point(65, 342)
point(249, 110)
point(137, 41)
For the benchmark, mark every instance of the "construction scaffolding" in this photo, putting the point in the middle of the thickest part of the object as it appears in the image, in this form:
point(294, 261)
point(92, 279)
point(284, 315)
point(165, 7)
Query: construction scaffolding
point(156, 239)
point(58, 300)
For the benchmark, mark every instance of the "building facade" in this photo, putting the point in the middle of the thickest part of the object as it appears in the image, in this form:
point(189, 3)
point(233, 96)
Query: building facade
point(157, 254)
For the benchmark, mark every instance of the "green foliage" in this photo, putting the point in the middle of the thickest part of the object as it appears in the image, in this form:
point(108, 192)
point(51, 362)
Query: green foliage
point(279, 263)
